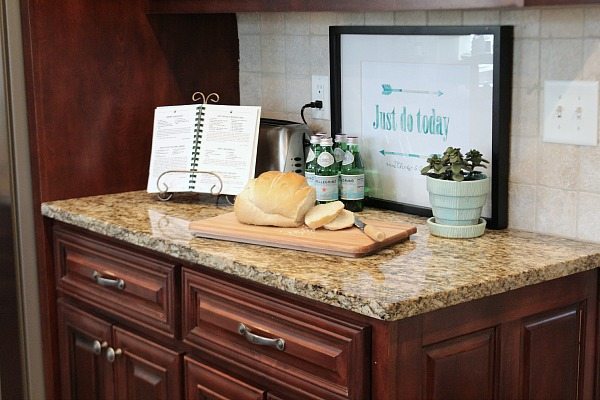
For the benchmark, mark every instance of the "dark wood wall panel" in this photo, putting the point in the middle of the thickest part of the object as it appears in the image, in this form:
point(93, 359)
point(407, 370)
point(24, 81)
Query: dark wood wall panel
point(95, 71)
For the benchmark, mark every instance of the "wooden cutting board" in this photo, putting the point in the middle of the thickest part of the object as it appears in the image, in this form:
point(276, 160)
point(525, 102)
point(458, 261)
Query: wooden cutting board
point(350, 242)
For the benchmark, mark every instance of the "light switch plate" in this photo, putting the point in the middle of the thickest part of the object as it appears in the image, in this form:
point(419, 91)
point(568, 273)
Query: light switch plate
point(571, 112)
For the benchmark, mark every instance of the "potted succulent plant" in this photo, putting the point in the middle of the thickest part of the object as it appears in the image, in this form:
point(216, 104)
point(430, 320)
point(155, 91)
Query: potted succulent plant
point(457, 193)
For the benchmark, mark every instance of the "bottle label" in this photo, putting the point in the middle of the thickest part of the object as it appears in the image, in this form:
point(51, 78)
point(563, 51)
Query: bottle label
point(338, 154)
point(325, 159)
point(310, 178)
point(348, 158)
point(326, 187)
point(310, 156)
point(353, 187)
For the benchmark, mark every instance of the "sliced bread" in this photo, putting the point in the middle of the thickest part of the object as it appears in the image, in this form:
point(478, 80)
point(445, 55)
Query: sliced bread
point(345, 219)
point(322, 214)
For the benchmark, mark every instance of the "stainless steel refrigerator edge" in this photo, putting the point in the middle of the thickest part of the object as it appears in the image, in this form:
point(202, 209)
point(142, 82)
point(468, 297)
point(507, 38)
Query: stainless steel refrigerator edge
point(21, 374)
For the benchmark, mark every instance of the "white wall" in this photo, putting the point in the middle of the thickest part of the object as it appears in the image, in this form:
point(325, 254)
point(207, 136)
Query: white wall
point(558, 190)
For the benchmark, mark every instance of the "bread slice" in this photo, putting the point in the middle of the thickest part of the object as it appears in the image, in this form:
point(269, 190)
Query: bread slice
point(344, 220)
point(322, 214)
point(275, 198)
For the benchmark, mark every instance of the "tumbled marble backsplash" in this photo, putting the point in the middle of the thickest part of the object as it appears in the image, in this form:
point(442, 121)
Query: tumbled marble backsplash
point(554, 188)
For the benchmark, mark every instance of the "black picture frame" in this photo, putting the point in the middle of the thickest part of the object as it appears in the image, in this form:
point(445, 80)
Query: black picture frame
point(501, 105)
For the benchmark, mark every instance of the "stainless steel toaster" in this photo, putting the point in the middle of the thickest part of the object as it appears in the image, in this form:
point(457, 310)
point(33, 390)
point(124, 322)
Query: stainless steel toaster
point(281, 146)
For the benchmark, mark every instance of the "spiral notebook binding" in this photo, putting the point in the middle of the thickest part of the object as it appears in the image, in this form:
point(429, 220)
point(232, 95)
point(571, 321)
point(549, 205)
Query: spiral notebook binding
point(193, 172)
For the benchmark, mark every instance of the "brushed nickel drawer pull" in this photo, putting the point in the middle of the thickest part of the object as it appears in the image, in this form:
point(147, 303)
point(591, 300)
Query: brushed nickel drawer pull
point(111, 354)
point(97, 346)
point(108, 282)
point(94, 346)
point(279, 343)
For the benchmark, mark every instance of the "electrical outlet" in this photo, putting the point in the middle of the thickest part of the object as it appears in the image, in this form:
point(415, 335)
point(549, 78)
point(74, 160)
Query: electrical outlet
point(571, 112)
point(320, 91)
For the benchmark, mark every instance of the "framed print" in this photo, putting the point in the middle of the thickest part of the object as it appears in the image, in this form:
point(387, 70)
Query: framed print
point(410, 92)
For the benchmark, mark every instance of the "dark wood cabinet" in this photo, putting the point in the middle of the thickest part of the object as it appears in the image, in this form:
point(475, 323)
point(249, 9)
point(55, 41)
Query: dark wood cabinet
point(240, 340)
point(219, 6)
point(101, 361)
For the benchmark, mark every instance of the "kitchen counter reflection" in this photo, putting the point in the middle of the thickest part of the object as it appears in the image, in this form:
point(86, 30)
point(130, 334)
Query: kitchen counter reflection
point(423, 274)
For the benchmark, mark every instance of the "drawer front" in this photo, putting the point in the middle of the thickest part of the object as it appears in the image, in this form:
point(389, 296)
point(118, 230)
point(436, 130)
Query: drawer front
point(116, 280)
point(276, 340)
point(206, 383)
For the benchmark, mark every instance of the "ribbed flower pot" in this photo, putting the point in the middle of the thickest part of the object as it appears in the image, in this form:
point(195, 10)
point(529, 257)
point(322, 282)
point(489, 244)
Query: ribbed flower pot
point(457, 203)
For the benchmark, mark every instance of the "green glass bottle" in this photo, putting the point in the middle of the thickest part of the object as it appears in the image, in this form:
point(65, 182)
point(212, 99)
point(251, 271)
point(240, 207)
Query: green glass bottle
point(352, 176)
point(339, 148)
point(326, 174)
point(311, 159)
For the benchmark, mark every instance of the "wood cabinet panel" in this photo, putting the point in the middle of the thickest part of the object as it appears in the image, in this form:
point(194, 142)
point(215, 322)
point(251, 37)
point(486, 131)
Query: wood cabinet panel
point(218, 6)
point(206, 383)
point(551, 355)
point(148, 295)
point(85, 374)
point(462, 368)
point(319, 355)
point(145, 370)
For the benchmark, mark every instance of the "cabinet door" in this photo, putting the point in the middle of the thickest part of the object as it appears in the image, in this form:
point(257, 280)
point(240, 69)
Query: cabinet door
point(206, 383)
point(144, 370)
point(85, 373)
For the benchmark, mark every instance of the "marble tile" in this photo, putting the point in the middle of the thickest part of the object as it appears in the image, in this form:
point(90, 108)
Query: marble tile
point(591, 22)
point(321, 21)
point(562, 22)
point(588, 178)
point(557, 165)
point(526, 63)
point(521, 206)
point(526, 22)
point(523, 160)
point(410, 18)
point(250, 89)
point(444, 17)
point(525, 112)
point(319, 55)
point(297, 55)
point(556, 212)
point(297, 23)
point(297, 93)
point(272, 23)
point(481, 17)
point(588, 216)
point(569, 52)
point(248, 23)
point(273, 92)
point(350, 18)
point(272, 53)
point(379, 18)
point(591, 60)
point(250, 48)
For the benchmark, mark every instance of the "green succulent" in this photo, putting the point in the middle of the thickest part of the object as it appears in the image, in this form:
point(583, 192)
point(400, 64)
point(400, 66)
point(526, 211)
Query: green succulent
point(452, 165)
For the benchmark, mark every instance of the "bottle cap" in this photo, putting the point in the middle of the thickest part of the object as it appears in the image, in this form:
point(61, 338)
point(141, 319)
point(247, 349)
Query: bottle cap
point(326, 142)
point(352, 140)
point(340, 137)
point(314, 139)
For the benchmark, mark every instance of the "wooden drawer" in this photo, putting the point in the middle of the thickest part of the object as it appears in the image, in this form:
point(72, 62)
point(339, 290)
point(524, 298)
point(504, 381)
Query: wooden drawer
point(147, 295)
point(321, 356)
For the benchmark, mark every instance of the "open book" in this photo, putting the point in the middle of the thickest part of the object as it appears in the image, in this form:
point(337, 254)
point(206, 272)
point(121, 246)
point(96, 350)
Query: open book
point(203, 137)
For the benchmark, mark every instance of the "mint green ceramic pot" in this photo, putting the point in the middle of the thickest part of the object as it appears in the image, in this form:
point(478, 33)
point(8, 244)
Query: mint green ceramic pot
point(457, 203)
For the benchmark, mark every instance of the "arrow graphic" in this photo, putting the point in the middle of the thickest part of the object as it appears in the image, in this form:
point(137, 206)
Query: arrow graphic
point(388, 89)
point(395, 153)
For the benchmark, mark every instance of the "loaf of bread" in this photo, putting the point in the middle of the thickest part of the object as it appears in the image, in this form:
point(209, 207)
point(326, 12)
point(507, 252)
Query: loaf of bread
point(275, 198)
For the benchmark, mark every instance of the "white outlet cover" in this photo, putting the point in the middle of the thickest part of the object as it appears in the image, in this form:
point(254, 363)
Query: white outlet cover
point(570, 114)
point(320, 91)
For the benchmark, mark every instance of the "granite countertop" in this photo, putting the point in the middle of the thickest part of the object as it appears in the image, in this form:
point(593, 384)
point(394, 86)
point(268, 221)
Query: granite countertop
point(422, 274)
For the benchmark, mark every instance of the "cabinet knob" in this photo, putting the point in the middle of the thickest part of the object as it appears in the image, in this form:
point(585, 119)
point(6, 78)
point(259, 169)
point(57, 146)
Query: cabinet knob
point(111, 354)
point(97, 346)
point(108, 282)
point(278, 343)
